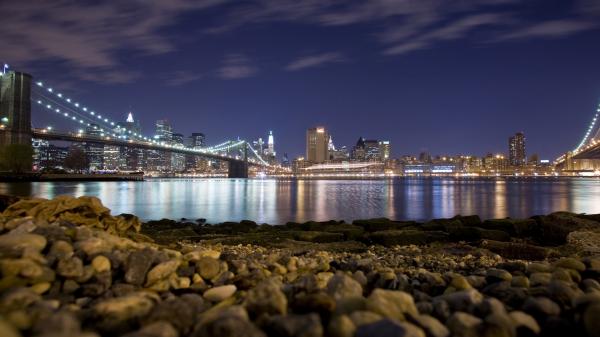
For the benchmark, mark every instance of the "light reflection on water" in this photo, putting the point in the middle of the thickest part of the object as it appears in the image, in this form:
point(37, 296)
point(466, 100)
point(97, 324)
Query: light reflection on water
point(276, 202)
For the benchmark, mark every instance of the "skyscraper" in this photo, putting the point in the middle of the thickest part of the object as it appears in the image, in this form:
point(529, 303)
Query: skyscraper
point(384, 150)
point(15, 108)
point(198, 140)
point(94, 151)
point(372, 150)
point(271, 144)
point(317, 141)
point(516, 150)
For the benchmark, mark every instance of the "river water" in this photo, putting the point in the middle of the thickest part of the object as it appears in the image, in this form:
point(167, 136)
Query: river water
point(278, 201)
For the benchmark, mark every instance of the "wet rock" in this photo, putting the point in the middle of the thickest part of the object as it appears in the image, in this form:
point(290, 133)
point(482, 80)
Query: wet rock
point(137, 266)
point(520, 282)
point(540, 279)
point(392, 304)
point(462, 324)
point(124, 308)
point(295, 326)
point(70, 268)
point(525, 324)
point(161, 271)
point(155, 329)
point(463, 300)
point(218, 294)
point(389, 328)
point(430, 325)
point(570, 263)
point(540, 307)
point(498, 324)
point(563, 292)
point(266, 298)
point(497, 275)
point(208, 267)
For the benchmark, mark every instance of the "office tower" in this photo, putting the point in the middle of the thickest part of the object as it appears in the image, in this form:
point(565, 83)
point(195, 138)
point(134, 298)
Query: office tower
point(516, 150)
point(384, 150)
point(358, 151)
point(177, 159)
point(94, 151)
point(371, 150)
point(317, 141)
point(160, 160)
point(15, 108)
point(40, 153)
point(271, 145)
point(198, 140)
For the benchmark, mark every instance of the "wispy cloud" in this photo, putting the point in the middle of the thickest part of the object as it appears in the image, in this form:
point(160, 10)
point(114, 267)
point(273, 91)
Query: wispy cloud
point(181, 77)
point(89, 36)
point(314, 61)
point(550, 29)
point(236, 66)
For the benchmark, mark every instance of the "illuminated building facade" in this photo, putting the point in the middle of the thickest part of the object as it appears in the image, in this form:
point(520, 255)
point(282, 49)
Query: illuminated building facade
point(317, 143)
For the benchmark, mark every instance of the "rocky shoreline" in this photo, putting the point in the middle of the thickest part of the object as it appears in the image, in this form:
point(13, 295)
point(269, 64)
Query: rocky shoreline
point(70, 268)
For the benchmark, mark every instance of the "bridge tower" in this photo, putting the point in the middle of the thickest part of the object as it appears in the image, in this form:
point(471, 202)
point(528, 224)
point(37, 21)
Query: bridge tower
point(239, 168)
point(15, 108)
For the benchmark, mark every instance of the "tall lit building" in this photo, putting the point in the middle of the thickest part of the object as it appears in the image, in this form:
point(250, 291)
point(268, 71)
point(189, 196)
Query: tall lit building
point(516, 150)
point(271, 145)
point(160, 160)
point(94, 151)
point(384, 150)
point(198, 140)
point(372, 150)
point(317, 141)
point(177, 159)
point(358, 151)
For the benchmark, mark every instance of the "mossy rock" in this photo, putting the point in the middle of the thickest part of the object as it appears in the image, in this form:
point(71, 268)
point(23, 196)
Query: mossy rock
point(406, 237)
point(318, 237)
point(382, 224)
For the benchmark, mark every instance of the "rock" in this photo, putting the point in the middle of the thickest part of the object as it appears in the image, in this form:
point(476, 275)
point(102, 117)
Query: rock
point(462, 324)
point(590, 285)
point(155, 329)
point(17, 242)
point(405, 237)
point(21, 267)
point(343, 286)
point(392, 304)
point(228, 322)
point(161, 271)
point(62, 323)
point(591, 322)
point(570, 263)
point(7, 329)
point(389, 328)
point(430, 325)
point(218, 294)
point(520, 282)
point(70, 268)
point(563, 292)
point(540, 279)
point(586, 242)
point(94, 246)
point(463, 300)
point(514, 250)
point(540, 307)
point(101, 264)
point(208, 267)
point(525, 325)
point(498, 324)
point(360, 317)
point(181, 312)
point(124, 308)
point(137, 266)
point(266, 298)
point(318, 302)
point(459, 282)
point(341, 326)
point(497, 275)
point(294, 326)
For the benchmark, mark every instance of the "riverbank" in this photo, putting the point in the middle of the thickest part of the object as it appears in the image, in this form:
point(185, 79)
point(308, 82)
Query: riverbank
point(71, 268)
point(49, 177)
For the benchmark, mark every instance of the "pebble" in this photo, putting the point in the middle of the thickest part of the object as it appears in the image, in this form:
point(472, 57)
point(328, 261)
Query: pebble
point(464, 325)
point(392, 304)
point(218, 294)
point(161, 271)
point(101, 264)
point(207, 267)
point(266, 298)
point(389, 328)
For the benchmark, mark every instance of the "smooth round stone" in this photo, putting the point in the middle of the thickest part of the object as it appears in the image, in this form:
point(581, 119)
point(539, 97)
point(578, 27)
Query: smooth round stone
point(524, 322)
point(341, 326)
point(40, 288)
point(101, 264)
point(463, 324)
point(539, 267)
point(520, 282)
point(570, 263)
point(208, 267)
point(591, 320)
point(218, 294)
point(541, 307)
point(495, 275)
point(540, 279)
point(392, 304)
point(342, 286)
point(459, 282)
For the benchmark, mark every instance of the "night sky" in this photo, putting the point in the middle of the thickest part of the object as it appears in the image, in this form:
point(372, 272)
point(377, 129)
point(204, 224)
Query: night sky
point(449, 77)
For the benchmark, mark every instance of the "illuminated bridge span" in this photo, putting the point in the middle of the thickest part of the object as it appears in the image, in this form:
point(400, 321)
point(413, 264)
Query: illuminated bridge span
point(587, 153)
point(18, 94)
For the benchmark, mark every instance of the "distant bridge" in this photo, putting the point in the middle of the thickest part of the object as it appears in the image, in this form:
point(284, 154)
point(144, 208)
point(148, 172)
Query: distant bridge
point(586, 156)
point(15, 111)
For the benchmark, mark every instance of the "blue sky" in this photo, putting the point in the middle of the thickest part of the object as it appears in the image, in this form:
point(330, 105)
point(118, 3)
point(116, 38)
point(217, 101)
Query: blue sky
point(449, 77)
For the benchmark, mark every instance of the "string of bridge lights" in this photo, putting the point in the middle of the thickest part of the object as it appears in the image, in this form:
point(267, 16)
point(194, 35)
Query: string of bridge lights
point(589, 130)
point(96, 117)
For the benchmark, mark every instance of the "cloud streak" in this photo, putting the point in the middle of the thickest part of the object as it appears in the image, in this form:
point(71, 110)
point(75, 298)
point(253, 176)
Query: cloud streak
point(236, 66)
point(314, 61)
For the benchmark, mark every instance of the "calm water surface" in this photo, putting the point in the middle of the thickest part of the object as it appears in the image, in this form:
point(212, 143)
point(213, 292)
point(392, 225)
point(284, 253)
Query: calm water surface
point(277, 201)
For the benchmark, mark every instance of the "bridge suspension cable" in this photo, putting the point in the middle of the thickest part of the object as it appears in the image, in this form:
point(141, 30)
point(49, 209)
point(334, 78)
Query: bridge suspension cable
point(588, 133)
point(74, 111)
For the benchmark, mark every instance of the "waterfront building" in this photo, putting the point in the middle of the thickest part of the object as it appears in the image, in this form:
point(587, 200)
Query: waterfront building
point(372, 150)
point(94, 151)
point(516, 150)
point(384, 150)
point(317, 142)
point(358, 151)
point(271, 145)
point(495, 164)
point(339, 154)
point(40, 148)
point(161, 160)
point(112, 158)
point(177, 159)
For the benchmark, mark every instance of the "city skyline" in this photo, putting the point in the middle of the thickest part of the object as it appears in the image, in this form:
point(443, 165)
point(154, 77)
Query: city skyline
point(433, 77)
